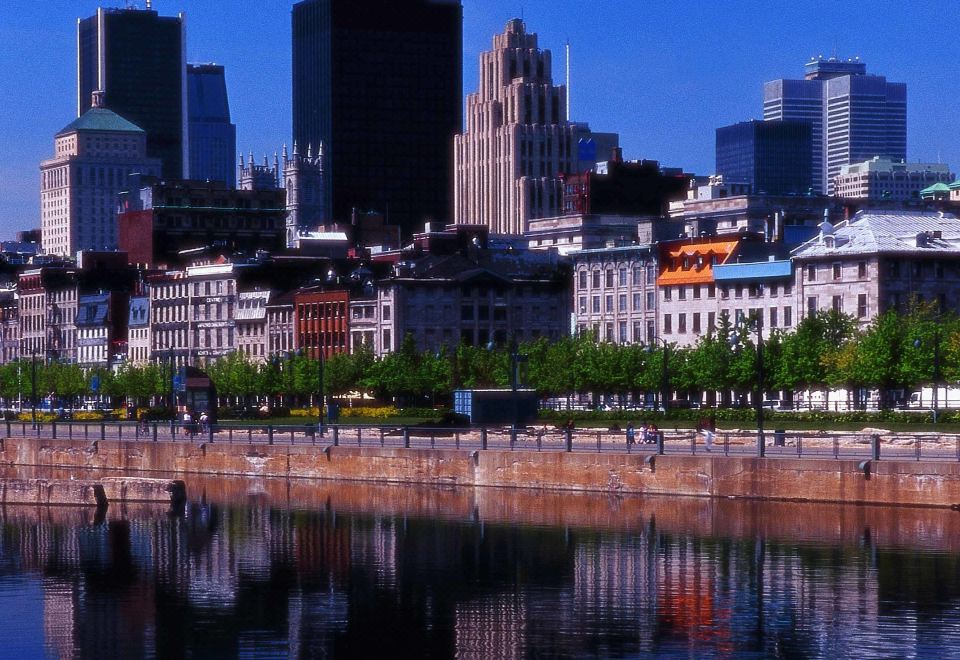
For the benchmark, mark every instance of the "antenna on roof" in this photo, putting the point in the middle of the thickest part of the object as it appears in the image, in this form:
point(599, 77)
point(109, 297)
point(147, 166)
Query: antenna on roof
point(568, 79)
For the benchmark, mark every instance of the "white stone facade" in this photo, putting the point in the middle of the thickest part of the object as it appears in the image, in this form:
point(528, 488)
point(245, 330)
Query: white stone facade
point(615, 294)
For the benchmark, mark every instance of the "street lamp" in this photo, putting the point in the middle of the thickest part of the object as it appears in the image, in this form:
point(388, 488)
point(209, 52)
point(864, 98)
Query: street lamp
point(664, 374)
point(33, 387)
point(516, 358)
point(936, 367)
point(755, 322)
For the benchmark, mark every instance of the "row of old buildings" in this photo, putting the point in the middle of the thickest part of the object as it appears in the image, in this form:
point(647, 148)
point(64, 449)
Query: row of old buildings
point(462, 285)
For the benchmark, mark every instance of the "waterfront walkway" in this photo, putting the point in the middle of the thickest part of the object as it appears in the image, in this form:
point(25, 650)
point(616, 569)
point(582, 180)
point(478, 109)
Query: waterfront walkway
point(877, 445)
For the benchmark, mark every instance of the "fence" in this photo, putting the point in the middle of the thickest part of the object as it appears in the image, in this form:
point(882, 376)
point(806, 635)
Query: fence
point(928, 447)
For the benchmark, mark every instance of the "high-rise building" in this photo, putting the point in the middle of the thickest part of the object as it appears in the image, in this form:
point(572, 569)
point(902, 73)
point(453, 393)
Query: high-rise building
point(853, 116)
point(213, 139)
point(137, 59)
point(774, 157)
point(94, 158)
point(379, 83)
point(519, 140)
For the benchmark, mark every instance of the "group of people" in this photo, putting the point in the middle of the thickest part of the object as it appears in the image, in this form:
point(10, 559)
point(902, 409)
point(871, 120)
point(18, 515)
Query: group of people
point(191, 427)
point(648, 434)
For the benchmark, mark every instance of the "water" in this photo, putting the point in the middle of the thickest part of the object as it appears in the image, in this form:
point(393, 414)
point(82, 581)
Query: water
point(262, 569)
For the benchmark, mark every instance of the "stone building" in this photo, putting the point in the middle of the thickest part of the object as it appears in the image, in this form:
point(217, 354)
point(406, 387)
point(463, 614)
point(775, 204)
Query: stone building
point(878, 261)
point(281, 337)
point(460, 285)
point(138, 330)
point(95, 157)
point(518, 138)
point(615, 293)
point(250, 317)
point(883, 178)
point(703, 280)
point(9, 324)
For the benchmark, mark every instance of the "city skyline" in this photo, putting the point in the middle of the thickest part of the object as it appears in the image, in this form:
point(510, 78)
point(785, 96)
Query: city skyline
point(642, 71)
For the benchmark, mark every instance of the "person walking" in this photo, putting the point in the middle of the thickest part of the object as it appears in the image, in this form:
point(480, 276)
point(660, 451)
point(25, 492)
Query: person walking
point(630, 434)
point(187, 423)
point(204, 422)
point(644, 433)
point(708, 427)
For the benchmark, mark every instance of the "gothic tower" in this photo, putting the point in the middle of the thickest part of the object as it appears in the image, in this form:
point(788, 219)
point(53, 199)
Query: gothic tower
point(305, 180)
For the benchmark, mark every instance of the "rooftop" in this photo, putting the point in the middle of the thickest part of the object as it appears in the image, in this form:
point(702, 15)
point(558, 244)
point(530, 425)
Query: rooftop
point(100, 120)
point(872, 232)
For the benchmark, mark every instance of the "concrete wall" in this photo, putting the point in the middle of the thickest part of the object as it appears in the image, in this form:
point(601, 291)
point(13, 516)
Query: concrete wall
point(889, 482)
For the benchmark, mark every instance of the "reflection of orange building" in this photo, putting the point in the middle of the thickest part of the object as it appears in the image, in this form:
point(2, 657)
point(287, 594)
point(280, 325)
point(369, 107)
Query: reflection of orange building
point(320, 319)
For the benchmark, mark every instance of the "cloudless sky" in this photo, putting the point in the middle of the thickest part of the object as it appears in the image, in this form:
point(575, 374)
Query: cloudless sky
point(663, 74)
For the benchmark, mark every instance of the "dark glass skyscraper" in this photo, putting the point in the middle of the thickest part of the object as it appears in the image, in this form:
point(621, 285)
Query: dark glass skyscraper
point(379, 82)
point(774, 157)
point(213, 139)
point(136, 57)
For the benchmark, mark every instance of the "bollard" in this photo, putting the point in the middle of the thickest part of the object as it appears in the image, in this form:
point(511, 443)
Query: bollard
point(210, 433)
point(155, 431)
point(875, 442)
point(8, 428)
point(483, 438)
point(270, 434)
point(761, 444)
point(406, 437)
point(336, 436)
point(103, 431)
point(568, 433)
point(513, 437)
point(53, 429)
point(660, 444)
point(780, 438)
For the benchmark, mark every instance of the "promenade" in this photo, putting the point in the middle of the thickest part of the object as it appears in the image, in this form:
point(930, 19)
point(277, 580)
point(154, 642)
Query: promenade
point(876, 444)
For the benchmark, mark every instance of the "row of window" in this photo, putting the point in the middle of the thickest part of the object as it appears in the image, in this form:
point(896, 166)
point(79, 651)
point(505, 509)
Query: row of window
point(619, 276)
point(637, 300)
point(778, 318)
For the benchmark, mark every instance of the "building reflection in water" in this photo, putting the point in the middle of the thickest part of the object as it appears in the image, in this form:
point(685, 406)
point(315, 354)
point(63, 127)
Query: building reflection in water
point(233, 579)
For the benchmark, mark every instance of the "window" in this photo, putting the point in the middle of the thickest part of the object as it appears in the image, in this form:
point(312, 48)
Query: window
point(651, 331)
point(386, 312)
point(938, 267)
point(788, 289)
point(595, 304)
point(666, 293)
point(812, 273)
point(609, 330)
point(696, 292)
point(609, 278)
point(387, 344)
point(651, 300)
point(622, 277)
point(682, 293)
point(637, 301)
point(622, 332)
point(724, 291)
point(862, 306)
point(917, 268)
point(862, 270)
point(787, 316)
point(596, 279)
point(622, 302)
point(637, 276)
point(774, 288)
point(838, 303)
point(738, 292)
point(682, 323)
point(711, 291)
point(837, 271)
point(667, 324)
point(466, 313)
point(696, 322)
point(582, 304)
point(583, 279)
point(773, 317)
point(608, 300)
point(893, 268)
point(811, 305)
point(711, 321)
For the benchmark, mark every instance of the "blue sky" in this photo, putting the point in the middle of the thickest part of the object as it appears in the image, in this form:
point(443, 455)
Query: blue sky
point(663, 74)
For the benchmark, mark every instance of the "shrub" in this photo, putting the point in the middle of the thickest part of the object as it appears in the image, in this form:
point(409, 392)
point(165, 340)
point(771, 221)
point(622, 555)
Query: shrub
point(384, 412)
point(88, 416)
point(305, 412)
point(43, 417)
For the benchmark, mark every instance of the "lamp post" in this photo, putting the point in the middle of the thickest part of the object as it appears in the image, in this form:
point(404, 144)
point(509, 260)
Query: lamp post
point(664, 372)
point(323, 397)
point(936, 367)
point(516, 358)
point(33, 387)
point(755, 323)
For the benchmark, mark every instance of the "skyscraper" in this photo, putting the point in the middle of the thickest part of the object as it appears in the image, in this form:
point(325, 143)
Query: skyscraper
point(213, 139)
point(853, 116)
point(772, 156)
point(95, 156)
point(519, 139)
point(136, 58)
point(378, 82)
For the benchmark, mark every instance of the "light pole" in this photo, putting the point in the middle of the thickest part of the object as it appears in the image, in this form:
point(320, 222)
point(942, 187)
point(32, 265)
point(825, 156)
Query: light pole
point(936, 367)
point(515, 359)
point(323, 397)
point(664, 372)
point(33, 387)
point(755, 323)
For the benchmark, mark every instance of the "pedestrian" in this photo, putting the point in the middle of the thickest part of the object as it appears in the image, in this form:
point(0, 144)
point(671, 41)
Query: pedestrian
point(644, 433)
point(204, 421)
point(630, 433)
point(187, 422)
point(707, 426)
point(653, 433)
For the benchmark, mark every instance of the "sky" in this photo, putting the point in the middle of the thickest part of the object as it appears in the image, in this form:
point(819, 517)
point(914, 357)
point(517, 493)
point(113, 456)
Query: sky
point(662, 74)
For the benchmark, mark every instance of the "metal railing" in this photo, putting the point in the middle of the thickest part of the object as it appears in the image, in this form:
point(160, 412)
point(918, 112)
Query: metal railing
point(837, 446)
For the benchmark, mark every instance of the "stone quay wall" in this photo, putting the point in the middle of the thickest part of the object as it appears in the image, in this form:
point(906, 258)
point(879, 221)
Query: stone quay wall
point(907, 483)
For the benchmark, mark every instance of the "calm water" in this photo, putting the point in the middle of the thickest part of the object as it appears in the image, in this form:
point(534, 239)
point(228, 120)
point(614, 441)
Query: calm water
point(272, 569)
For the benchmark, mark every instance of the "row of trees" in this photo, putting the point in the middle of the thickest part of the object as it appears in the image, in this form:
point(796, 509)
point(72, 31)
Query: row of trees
point(826, 350)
